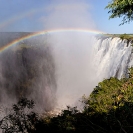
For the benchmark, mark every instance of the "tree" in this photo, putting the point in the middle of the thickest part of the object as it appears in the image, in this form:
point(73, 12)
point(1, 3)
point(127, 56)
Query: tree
point(20, 120)
point(121, 8)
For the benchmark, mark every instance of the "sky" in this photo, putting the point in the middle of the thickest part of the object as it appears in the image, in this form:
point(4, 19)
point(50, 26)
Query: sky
point(39, 15)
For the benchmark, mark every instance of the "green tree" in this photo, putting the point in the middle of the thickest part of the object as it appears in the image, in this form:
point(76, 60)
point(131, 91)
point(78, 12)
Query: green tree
point(110, 94)
point(20, 120)
point(121, 8)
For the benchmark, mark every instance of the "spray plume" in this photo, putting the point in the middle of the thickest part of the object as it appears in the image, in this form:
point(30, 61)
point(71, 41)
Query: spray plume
point(71, 51)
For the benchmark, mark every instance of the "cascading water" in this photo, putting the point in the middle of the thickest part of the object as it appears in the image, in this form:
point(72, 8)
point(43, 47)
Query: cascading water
point(27, 70)
point(112, 57)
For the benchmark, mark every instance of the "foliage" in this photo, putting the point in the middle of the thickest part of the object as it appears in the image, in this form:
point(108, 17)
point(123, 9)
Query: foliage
point(109, 108)
point(126, 36)
point(20, 120)
point(105, 96)
point(111, 94)
point(121, 8)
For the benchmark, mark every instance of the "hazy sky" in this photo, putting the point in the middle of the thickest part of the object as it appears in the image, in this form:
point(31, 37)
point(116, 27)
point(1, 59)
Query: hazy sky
point(38, 15)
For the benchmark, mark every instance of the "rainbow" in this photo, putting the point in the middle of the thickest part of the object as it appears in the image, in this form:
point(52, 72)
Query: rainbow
point(47, 32)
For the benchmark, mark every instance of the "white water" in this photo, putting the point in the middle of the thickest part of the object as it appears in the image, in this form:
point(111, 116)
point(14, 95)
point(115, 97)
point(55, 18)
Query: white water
point(111, 58)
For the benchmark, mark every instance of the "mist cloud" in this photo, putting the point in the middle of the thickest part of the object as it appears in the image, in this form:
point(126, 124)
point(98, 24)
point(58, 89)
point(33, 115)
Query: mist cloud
point(68, 14)
point(71, 50)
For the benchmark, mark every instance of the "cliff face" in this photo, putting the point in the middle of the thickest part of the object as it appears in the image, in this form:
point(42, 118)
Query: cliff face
point(27, 70)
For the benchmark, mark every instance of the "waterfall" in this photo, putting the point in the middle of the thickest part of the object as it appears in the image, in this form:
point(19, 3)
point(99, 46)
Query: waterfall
point(111, 57)
point(58, 69)
point(27, 70)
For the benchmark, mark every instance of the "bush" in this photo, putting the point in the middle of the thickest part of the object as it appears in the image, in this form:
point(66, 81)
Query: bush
point(109, 108)
point(20, 120)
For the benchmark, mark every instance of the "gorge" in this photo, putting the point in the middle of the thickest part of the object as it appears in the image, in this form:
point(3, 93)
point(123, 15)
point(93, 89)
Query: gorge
point(56, 70)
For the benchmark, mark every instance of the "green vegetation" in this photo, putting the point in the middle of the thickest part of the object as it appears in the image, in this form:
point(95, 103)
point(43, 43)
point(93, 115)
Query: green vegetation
point(128, 37)
point(111, 94)
point(121, 8)
point(109, 108)
point(20, 120)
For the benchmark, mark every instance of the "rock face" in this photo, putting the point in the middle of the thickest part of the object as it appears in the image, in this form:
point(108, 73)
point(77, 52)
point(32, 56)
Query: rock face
point(27, 70)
